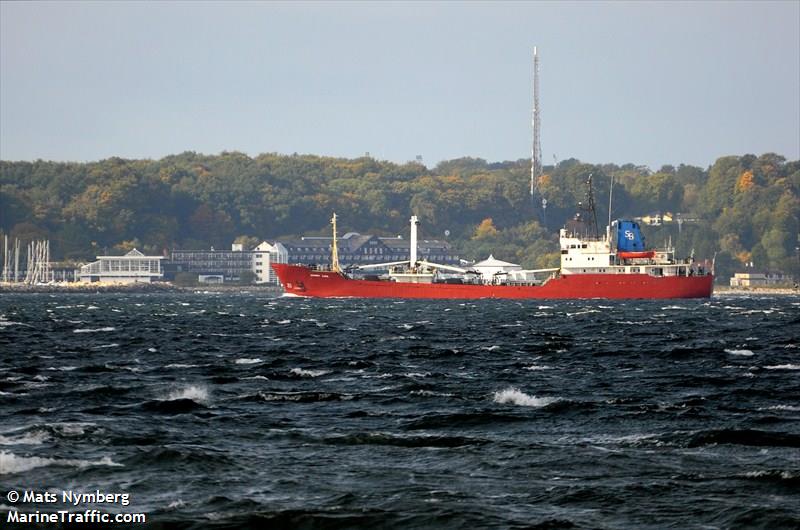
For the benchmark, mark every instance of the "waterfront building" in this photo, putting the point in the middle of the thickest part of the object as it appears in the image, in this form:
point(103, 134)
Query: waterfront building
point(219, 266)
point(759, 279)
point(133, 267)
point(263, 256)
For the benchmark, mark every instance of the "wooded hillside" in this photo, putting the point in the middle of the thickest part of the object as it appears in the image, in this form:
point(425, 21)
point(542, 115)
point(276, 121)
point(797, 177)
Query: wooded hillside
point(746, 206)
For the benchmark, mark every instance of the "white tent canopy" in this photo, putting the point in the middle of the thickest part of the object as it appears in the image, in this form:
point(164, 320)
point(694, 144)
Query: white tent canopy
point(491, 266)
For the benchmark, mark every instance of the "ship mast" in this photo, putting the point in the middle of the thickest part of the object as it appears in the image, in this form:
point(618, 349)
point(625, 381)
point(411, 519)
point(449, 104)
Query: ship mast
point(590, 207)
point(413, 242)
point(334, 248)
point(536, 148)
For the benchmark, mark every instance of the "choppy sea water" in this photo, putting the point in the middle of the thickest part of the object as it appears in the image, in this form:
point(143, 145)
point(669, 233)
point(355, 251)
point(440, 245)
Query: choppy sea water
point(231, 410)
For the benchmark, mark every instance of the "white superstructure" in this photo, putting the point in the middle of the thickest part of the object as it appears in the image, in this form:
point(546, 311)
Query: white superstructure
point(582, 255)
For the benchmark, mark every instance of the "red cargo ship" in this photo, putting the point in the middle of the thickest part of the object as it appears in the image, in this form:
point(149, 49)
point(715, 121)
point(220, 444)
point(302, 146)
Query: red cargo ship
point(615, 266)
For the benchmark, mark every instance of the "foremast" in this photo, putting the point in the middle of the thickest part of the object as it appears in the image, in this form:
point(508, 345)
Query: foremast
point(334, 248)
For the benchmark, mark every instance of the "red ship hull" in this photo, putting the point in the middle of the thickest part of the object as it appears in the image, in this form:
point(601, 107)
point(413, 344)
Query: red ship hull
point(303, 281)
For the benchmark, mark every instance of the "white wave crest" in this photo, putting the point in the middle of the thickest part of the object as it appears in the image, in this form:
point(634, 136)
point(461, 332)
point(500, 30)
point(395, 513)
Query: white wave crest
point(309, 373)
point(198, 394)
point(6, 323)
point(744, 353)
point(93, 330)
point(180, 365)
point(783, 367)
point(248, 361)
point(102, 346)
point(28, 438)
point(429, 393)
point(11, 463)
point(787, 475)
point(791, 408)
point(537, 367)
point(72, 429)
point(516, 397)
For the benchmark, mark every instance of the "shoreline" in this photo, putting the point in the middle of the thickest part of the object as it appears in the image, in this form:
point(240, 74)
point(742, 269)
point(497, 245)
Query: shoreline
point(159, 287)
point(742, 291)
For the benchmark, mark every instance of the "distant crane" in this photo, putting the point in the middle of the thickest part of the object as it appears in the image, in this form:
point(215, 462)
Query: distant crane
point(536, 148)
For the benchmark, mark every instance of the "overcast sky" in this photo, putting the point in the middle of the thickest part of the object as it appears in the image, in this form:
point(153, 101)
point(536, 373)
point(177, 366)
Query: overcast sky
point(642, 82)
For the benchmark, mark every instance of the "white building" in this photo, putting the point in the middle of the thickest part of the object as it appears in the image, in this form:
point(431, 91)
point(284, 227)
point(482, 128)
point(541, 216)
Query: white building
point(759, 279)
point(133, 267)
point(264, 255)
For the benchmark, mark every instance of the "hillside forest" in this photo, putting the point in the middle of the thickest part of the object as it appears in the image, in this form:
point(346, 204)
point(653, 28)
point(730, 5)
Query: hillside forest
point(742, 209)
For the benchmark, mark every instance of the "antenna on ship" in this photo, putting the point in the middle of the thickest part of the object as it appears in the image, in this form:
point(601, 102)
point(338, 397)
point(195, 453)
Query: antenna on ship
point(590, 204)
point(536, 148)
point(610, 197)
point(334, 248)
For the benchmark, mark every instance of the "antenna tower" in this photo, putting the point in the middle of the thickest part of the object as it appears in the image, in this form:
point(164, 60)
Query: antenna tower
point(536, 148)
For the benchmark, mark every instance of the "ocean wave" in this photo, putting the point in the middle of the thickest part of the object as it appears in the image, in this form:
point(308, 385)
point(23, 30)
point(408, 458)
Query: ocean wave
point(379, 438)
point(308, 373)
point(783, 367)
point(299, 397)
point(93, 330)
point(11, 463)
point(6, 323)
point(584, 312)
point(173, 406)
point(35, 437)
point(417, 374)
point(70, 429)
point(791, 408)
point(516, 397)
point(246, 360)
point(429, 393)
point(744, 353)
point(773, 475)
point(198, 394)
point(751, 437)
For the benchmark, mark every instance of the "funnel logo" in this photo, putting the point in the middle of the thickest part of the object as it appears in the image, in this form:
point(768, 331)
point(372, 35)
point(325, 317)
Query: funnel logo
point(629, 235)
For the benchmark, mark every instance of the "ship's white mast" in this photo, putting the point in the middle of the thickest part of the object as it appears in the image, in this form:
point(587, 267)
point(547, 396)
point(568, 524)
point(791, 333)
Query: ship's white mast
point(413, 242)
point(610, 197)
point(334, 248)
